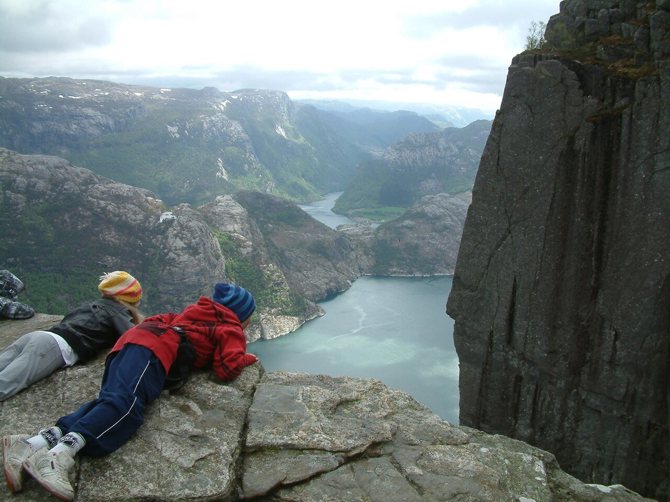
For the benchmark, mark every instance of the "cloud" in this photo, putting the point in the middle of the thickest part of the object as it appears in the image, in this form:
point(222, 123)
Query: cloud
point(445, 51)
point(45, 27)
point(504, 15)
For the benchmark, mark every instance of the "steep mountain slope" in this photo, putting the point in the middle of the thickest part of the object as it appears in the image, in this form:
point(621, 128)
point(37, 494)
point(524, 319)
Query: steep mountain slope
point(65, 225)
point(352, 137)
point(376, 130)
point(318, 261)
point(190, 145)
point(562, 287)
point(424, 240)
point(62, 226)
point(418, 165)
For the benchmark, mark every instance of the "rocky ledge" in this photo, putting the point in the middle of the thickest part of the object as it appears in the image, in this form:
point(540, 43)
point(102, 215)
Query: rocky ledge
point(290, 436)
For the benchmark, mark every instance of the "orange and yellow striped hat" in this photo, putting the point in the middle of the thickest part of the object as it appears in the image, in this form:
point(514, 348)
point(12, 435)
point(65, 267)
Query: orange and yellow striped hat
point(120, 285)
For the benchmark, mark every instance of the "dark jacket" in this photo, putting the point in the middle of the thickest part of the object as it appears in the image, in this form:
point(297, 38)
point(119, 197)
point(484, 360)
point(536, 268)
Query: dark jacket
point(93, 327)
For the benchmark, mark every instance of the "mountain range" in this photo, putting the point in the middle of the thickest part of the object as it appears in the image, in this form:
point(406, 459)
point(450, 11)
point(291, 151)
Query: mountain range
point(183, 188)
point(418, 165)
point(63, 224)
point(190, 145)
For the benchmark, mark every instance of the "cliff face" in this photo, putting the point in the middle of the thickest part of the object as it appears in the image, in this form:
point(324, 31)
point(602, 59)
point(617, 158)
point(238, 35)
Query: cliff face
point(423, 241)
point(319, 262)
point(287, 258)
point(284, 436)
point(561, 294)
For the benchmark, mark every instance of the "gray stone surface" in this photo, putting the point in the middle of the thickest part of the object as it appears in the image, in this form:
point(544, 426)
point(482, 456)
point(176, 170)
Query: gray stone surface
point(290, 436)
point(562, 288)
point(424, 240)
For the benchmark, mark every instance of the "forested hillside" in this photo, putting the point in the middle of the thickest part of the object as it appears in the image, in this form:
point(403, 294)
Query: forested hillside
point(190, 145)
point(413, 167)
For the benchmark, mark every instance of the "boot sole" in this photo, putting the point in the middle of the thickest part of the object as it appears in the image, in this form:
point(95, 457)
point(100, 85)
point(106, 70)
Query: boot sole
point(14, 483)
point(28, 467)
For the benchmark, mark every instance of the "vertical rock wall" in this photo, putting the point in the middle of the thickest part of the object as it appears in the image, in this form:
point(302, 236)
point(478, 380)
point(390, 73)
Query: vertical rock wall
point(561, 294)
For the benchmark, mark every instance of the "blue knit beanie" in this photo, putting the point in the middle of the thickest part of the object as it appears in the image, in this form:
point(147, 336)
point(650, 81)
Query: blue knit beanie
point(236, 298)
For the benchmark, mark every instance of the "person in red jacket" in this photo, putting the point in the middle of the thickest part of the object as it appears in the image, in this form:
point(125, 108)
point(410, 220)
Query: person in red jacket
point(135, 374)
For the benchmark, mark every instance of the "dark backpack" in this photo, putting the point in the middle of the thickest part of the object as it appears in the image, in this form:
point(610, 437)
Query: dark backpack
point(183, 364)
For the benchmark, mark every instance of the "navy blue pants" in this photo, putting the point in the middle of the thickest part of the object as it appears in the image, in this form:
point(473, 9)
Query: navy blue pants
point(133, 378)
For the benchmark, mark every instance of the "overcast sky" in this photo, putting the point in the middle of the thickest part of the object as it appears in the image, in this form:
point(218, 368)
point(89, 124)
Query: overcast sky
point(442, 52)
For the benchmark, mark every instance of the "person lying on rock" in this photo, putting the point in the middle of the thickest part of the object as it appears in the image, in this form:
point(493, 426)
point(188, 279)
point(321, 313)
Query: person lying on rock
point(10, 306)
point(134, 376)
point(80, 336)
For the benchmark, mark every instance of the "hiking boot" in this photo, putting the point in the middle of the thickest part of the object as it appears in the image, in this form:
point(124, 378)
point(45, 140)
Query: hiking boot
point(15, 310)
point(15, 451)
point(52, 471)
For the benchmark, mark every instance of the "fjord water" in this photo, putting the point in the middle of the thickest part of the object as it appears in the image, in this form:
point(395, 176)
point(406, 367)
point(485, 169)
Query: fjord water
point(391, 328)
point(321, 210)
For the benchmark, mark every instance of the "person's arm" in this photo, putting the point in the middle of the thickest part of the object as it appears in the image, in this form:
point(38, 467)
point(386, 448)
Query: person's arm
point(230, 355)
point(122, 321)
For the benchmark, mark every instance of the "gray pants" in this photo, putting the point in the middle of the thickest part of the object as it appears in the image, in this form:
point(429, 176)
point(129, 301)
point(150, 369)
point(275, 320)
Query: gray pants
point(32, 357)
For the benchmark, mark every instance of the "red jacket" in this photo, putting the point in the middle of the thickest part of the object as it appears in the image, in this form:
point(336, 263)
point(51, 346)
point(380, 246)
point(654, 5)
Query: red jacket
point(214, 330)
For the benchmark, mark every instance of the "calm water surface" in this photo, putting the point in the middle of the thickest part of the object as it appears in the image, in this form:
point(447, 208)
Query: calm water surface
point(390, 328)
point(321, 210)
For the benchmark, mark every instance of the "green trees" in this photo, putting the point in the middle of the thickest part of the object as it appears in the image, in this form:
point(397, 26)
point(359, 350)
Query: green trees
point(535, 38)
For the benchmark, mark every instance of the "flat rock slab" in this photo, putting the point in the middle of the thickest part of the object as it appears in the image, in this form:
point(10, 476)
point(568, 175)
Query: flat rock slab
point(289, 436)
